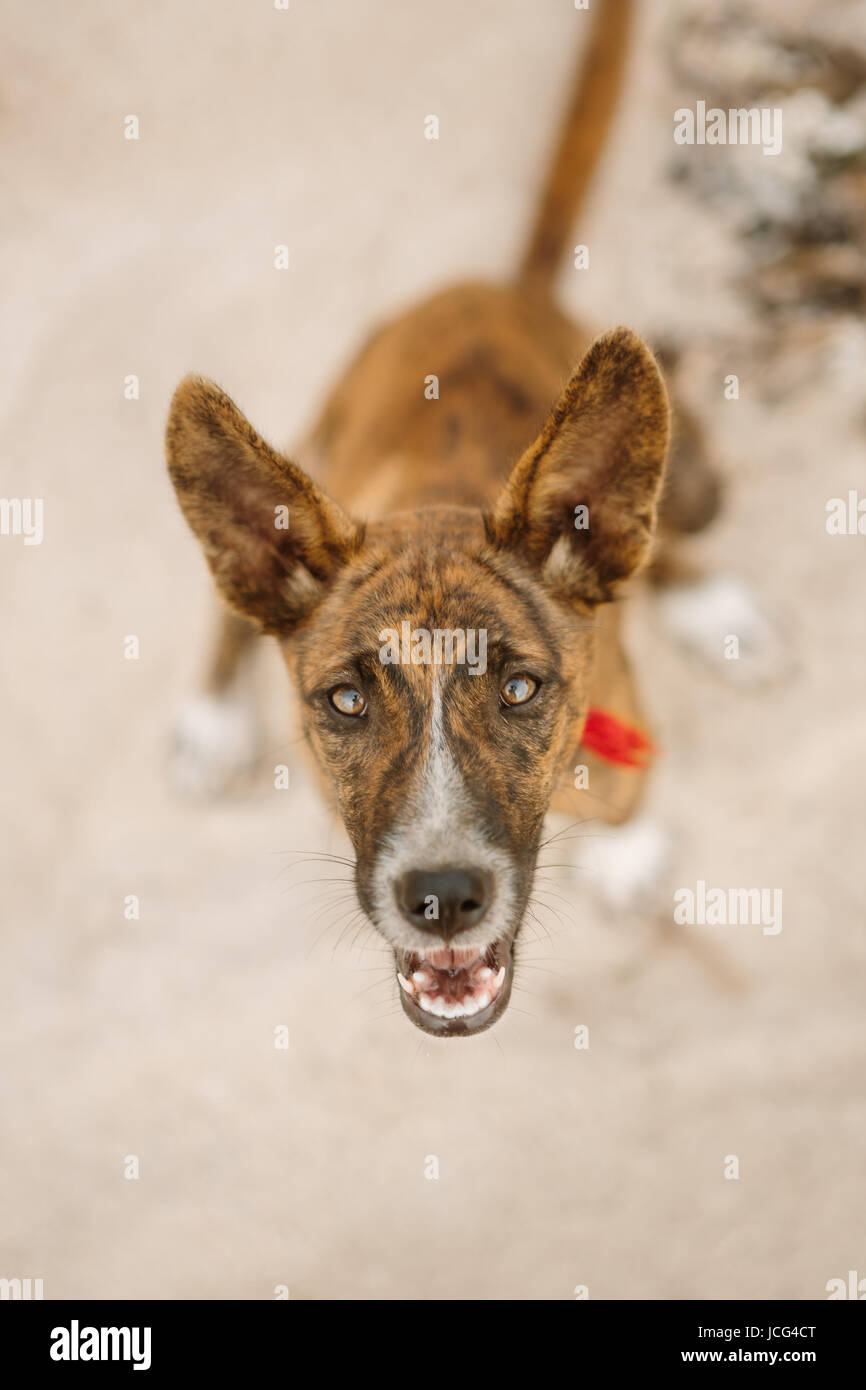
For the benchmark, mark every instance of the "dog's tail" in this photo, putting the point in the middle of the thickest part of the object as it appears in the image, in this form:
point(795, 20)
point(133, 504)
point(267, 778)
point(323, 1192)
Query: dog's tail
point(581, 141)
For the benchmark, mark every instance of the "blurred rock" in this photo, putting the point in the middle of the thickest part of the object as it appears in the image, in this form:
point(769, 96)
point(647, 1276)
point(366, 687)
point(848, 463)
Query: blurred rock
point(801, 215)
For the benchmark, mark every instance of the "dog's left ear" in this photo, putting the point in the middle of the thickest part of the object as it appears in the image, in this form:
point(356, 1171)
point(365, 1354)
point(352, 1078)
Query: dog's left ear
point(580, 505)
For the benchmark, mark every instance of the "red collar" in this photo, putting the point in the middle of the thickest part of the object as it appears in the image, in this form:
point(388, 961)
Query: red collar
point(616, 741)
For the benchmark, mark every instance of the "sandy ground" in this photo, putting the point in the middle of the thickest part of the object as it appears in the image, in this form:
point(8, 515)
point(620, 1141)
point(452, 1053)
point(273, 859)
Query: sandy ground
point(155, 1038)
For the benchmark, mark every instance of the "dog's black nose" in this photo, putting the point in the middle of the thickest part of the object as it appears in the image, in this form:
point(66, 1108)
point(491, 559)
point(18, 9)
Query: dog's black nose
point(444, 901)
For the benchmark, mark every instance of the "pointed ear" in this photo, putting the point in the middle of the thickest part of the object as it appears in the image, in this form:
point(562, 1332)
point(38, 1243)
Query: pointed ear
point(580, 505)
point(271, 538)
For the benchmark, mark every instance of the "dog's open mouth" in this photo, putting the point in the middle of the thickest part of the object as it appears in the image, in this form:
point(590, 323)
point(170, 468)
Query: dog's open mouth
point(455, 991)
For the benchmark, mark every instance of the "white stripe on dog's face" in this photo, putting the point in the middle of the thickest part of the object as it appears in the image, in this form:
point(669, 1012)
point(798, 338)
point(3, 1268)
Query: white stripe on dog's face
point(440, 829)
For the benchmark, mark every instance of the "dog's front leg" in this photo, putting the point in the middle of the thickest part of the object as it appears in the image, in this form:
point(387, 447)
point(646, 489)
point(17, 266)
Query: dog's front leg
point(601, 829)
point(215, 739)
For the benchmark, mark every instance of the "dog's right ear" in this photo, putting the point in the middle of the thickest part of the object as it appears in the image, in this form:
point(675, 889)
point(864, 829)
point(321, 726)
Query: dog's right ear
point(272, 539)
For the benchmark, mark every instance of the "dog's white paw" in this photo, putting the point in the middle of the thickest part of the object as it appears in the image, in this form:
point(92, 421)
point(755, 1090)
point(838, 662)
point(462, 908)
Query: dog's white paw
point(719, 619)
point(214, 744)
point(627, 865)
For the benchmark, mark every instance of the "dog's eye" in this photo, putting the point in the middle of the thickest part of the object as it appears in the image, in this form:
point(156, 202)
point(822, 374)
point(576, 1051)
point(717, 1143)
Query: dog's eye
point(519, 690)
point(348, 700)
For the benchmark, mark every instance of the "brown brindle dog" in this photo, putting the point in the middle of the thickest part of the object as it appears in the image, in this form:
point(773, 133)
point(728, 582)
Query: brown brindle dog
point(443, 770)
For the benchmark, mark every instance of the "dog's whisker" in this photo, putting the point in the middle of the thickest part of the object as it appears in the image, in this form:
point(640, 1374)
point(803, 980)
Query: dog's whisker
point(347, 902)
point(342, 914)
point(560, 918)
point(541, 894)
point(305, 881)
point(378, 984)
point(544, 906)
point(316, 854)
point(345, 920)
point(542, 926)
point(572, 825)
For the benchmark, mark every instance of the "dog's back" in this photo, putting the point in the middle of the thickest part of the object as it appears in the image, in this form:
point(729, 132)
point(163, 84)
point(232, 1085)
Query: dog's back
point(441, 400)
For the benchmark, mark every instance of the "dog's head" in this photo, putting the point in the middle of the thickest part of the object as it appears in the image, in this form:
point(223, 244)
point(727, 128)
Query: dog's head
point(442, 657)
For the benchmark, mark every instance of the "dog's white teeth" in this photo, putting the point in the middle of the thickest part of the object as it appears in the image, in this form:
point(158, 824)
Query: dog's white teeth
point(405, 984)
point(454, 1008)
point(499, 978)
point(448, 1008)
point(485, 973)
point(421, 978)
